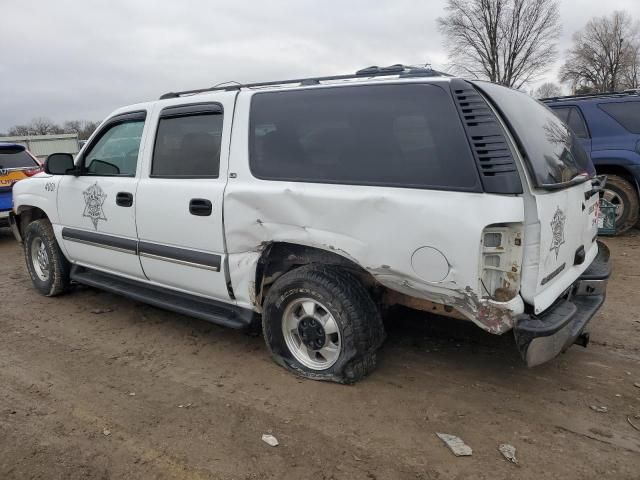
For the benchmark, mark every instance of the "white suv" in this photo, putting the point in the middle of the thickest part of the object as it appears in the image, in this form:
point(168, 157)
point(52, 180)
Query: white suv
point(312, 204)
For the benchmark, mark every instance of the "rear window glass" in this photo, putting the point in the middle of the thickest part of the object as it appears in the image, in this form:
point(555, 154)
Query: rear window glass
point(626, 114)
point(16, 159)
point(395, 135)
point(551, 149)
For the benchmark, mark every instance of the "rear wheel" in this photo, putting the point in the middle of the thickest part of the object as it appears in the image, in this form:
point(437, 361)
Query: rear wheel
point(320, 322)
point(623, 195)
point(48, 268)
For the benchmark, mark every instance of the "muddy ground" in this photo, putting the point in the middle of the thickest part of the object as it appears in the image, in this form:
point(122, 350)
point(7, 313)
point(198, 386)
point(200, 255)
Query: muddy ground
point(99, 395)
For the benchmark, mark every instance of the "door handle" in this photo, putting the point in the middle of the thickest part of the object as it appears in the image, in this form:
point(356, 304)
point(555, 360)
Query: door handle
point(200, 207)
point(124, 199)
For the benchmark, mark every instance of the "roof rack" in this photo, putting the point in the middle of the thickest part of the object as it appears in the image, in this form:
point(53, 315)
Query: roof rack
point(633, 91)
point(374, 71)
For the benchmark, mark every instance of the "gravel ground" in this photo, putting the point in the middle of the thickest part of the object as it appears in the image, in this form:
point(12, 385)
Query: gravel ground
point(137, 392)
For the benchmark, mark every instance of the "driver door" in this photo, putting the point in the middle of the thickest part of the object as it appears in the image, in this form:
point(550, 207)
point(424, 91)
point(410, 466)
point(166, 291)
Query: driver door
point(97, 207)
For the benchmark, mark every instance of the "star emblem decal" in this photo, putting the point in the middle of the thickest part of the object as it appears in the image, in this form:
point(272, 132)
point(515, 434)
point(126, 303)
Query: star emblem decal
point(94, 198)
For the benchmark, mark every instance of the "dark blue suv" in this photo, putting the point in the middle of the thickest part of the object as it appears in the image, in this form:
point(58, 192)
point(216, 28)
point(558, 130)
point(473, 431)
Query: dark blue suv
point(608, 126)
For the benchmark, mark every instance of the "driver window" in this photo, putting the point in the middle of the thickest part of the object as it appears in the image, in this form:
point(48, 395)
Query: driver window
point(116, 152)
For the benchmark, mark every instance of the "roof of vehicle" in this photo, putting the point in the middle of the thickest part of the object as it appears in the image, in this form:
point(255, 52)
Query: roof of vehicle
point(392, 72)
point(623, 96)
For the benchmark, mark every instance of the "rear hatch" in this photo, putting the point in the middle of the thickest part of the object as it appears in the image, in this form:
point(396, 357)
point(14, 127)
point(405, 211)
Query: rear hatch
point(562, 211)
point(16, 164)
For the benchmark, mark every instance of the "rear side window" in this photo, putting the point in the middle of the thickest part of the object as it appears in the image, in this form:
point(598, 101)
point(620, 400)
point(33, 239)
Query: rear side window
point(392, 135)
point(14, 158)
point(572, 117)
point(188, 146)
point(626, 114)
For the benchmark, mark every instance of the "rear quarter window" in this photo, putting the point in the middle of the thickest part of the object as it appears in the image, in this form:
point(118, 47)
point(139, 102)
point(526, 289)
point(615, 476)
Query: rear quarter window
point(388, 135)
point(626, 114)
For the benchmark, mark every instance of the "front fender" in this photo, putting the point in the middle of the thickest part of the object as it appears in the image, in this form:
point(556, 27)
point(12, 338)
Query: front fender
point(39, 192)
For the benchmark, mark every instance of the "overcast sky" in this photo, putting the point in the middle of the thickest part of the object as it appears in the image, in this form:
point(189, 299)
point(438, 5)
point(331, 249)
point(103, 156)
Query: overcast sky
point(82, 59)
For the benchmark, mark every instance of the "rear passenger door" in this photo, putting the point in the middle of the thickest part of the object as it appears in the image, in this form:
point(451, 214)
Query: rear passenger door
point(179, 207)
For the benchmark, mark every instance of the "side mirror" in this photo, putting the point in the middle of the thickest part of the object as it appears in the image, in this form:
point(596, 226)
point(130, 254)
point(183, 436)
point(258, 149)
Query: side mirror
point(59, 164)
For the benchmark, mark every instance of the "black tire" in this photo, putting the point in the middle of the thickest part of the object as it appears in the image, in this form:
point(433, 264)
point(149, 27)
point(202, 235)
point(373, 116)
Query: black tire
point(625, 195)
point(346, 299)
point(56, 281)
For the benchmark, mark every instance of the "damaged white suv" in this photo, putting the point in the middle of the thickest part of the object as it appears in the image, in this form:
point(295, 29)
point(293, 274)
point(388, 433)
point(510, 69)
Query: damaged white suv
point(312, 204)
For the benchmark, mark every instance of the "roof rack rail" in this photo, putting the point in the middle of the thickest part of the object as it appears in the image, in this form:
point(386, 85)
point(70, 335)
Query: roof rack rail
point(374, 71)
point(632, 91)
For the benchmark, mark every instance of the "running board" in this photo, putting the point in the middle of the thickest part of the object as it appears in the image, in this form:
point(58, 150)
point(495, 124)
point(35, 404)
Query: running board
point(203, 308)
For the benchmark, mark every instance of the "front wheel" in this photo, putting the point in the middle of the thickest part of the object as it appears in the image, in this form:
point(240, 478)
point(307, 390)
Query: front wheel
point(320, 322)
point(623, 195)
point(48, 268)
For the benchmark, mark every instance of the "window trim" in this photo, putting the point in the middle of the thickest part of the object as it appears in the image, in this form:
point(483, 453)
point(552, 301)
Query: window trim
point(134, 116)
point(181, 111)
point(477, 188)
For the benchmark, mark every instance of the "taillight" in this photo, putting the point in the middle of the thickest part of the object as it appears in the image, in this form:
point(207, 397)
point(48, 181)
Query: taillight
point(32, 171)
point(501, 259)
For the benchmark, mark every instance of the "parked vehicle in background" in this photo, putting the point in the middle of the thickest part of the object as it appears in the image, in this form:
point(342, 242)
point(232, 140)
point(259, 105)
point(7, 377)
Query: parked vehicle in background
point(16, 163)
point(608, 127)
point(313, 204)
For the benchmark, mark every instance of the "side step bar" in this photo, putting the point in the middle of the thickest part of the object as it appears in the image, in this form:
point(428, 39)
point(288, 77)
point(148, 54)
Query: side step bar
point(205, 309)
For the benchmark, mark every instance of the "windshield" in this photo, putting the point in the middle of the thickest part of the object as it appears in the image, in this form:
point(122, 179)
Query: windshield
point(551, 150)
point(16, 159)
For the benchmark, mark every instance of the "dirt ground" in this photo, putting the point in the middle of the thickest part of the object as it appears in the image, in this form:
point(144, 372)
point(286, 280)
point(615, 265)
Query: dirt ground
point(138, 392)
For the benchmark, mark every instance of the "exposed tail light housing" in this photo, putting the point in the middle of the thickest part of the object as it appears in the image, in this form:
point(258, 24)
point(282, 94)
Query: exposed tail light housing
point(32, 171)
point(501, 262)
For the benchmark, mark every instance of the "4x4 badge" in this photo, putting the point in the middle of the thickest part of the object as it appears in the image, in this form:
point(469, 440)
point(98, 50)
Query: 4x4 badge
point(557, 231)
point(94, 198)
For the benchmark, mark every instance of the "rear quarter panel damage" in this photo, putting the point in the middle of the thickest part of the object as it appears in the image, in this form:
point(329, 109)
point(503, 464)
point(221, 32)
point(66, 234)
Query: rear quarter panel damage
point(379, 228)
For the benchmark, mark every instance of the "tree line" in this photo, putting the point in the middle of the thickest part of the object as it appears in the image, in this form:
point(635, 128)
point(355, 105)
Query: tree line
point(514, 43)
point(44, 126)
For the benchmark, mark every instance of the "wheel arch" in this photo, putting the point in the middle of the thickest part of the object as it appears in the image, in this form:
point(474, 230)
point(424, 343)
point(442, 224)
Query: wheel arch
point(279, 258)
point(25, 214)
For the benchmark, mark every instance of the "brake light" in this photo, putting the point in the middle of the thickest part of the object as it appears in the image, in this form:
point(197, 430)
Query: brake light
point(32, 171)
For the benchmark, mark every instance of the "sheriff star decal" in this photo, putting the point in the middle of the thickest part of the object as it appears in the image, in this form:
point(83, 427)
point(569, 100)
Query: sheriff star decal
point(557, 231)
point(94, 198)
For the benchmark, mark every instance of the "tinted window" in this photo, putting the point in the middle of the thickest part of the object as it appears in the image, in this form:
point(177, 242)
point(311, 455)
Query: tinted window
point(188, 146)
point(571, 116)
point(550, 148)
point(562, 114)
point(16, 159)
point(626, 114)
point(116, 152)
point(396, 135)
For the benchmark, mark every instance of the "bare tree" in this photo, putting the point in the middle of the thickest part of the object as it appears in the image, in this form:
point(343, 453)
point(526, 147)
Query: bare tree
point(605, 54)
point(547, 90)
point(84, 128)
point(43, 126)
point(19, 131)
point(631, 74)
point(511, 42)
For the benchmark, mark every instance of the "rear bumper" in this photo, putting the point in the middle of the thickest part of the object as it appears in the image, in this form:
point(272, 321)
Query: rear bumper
point(542, 337)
